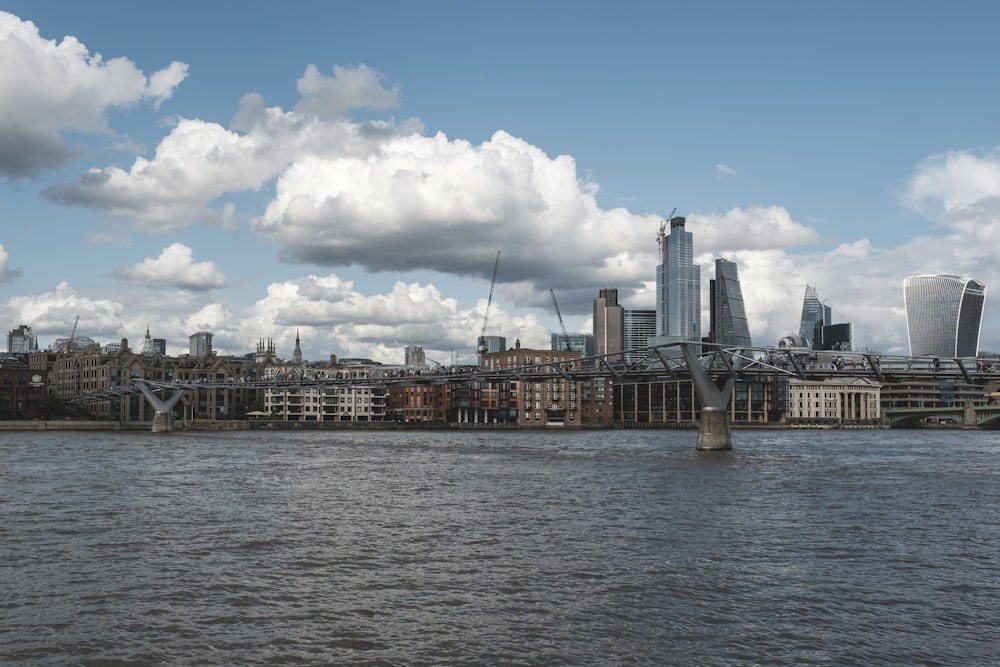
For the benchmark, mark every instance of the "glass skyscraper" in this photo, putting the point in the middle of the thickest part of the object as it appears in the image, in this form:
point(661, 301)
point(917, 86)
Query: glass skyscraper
point(943, 315)
point(573, 342)
point(728, 314)
point(200, 343)
point(814, 314)
point(678, 284)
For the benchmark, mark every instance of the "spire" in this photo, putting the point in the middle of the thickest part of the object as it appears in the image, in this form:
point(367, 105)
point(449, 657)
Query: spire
point(147, 344)
point(297, 355)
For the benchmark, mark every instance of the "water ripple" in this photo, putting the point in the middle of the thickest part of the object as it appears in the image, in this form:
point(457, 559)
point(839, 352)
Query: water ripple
point(583, 548)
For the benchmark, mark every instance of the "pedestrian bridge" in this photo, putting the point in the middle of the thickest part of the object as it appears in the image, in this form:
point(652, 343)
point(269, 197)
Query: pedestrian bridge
point(713, 369)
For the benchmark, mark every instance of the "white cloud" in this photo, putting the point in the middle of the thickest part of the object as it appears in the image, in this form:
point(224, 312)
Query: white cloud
point(348, 89)
point(199, 161)
point(954, 181)
point(725, 170)
point(756, 228)
point(54, 312)
point(175, 267)
point(60, 86)
point(337, 318)
point(431, 203)
point(6, 273)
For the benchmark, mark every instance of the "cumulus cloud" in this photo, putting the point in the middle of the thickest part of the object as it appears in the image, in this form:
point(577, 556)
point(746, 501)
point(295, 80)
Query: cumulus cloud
point(61, 86)
point(754, 228)
point(348, 321)
point(953, 182)
point(349, 88)
point(54, 312)
point(175, 267)
point(6, 273)
point(432, 203)
point(961, 191)
point(199, 161)
point(725, 170)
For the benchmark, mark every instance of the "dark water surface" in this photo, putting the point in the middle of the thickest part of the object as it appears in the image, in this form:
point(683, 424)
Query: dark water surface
point(466, 548)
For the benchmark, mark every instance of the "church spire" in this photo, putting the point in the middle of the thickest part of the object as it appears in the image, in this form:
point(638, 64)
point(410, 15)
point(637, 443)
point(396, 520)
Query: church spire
point(297, 355)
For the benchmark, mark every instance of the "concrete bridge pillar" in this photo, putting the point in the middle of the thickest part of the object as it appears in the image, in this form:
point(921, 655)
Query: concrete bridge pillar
point(163, 422)
point(969, 415)
point(713, 427)
point(163, 417)
point(713, 430)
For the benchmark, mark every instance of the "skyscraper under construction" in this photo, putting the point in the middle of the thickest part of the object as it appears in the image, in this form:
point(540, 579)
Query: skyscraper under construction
point(678, 285)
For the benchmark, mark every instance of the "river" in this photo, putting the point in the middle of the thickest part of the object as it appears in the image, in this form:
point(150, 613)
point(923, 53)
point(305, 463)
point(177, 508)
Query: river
point(473, 547)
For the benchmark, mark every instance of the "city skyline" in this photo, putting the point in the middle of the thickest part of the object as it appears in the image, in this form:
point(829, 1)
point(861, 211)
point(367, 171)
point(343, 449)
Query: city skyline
point(349, 173)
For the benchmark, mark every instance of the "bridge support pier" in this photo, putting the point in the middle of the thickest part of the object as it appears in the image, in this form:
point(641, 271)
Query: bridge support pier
point(713, 427)
point(163, 422)
point(713, 430)
point(163, 417)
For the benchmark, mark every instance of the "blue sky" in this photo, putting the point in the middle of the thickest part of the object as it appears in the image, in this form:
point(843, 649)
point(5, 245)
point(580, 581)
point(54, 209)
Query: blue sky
point(349, 171)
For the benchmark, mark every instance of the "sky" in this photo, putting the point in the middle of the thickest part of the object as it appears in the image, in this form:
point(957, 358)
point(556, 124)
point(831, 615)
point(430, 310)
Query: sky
point(348, 172)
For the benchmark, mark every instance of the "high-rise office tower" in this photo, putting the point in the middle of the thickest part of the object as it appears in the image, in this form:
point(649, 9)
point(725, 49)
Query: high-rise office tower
point(200, 343)
point(943, 314)
point(573, 342)
point(21, 340)
point(609, 325)
point(491, 344)
point(640, 326)
point(728, 314)
point(814, 314)
point(678, 284)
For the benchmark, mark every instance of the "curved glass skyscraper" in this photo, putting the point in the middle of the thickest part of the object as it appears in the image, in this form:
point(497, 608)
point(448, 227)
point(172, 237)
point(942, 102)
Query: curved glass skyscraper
point(943, 315)
point(729, 317)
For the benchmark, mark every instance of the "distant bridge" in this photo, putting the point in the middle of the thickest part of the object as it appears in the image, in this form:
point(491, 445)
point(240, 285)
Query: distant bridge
point(971, 415)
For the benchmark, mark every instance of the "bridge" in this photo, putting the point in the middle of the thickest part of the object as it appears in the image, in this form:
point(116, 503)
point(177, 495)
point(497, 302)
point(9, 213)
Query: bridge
point(713, 370)
point(964, 415)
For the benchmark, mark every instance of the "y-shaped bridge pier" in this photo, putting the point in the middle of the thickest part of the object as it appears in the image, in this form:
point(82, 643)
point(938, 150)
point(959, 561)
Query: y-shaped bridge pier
point(163, 417)
point(713, 427)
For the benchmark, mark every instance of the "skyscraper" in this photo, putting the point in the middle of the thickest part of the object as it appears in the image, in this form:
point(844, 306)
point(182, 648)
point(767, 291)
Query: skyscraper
point(640, 326)
point(21, 340)
point(200, 343)
point(943, 314)
point(573, 342)
point(814, 313)
point(678, 285)
point(728, 315)
point(609, 325)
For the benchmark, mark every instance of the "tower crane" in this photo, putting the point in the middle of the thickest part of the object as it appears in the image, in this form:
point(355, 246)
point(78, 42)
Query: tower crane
point(559, 315)
point(483, 348)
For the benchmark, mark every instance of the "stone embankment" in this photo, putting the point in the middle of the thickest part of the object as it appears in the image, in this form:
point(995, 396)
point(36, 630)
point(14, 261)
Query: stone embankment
point(72, 425)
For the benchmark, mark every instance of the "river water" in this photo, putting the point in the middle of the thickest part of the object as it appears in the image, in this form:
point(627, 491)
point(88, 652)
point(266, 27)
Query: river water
point(499, 548)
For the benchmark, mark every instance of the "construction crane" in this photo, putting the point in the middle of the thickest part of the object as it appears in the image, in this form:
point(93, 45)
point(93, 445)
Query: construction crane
point(559, 315)
point(72, 335)
point(483, 347)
